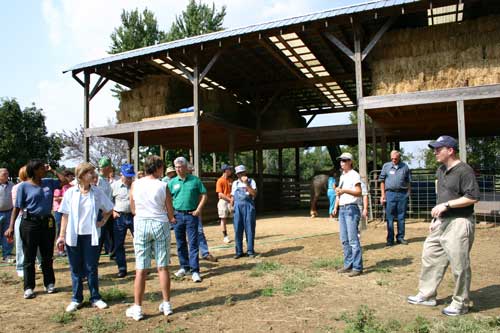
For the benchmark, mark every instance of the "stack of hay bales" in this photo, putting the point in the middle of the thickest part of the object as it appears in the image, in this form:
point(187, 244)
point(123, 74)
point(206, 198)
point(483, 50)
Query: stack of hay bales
point(437, 57)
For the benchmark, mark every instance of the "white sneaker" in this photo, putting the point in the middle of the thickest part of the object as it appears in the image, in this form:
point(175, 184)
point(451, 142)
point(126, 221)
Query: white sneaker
point(100, 304)
point(20, 274)
point(420, 299)
point(180, 273)
point(73, 306)
point(227, 240)
point(453, 312)
point(28, 293)
point(135, 312)
point(166, 308)
point(50, 289)
point(196, 277)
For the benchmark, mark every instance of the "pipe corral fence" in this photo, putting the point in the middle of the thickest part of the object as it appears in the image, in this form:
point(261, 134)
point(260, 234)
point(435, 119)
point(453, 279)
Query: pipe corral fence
point(288, 193)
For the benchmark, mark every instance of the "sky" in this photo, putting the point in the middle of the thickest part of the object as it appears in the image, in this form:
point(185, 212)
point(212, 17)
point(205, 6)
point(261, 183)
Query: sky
point(41, 38)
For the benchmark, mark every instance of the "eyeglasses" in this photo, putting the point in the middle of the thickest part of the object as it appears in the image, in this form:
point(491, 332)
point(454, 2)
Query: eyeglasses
point(438, 150)
point(344, 160)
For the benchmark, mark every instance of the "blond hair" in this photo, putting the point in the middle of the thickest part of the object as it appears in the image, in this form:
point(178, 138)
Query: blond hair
point(82, 169)
point(23, 174)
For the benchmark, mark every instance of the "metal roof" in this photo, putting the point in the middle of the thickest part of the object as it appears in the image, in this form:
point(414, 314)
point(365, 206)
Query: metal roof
point(357, 8)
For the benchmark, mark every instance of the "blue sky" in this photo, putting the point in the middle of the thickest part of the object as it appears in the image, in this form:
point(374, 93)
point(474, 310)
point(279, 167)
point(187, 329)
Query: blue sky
point(42, 38)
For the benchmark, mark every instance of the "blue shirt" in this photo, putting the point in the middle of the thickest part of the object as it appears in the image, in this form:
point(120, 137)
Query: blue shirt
point(396, 177)
point(331, 182)
point(37, 200)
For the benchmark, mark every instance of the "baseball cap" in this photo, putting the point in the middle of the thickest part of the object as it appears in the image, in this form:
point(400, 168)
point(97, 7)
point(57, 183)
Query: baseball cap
point(104, 162)
point(170, 169)
point(240, 168)
point(345, 156)
point(127, 170)
point(226, 167)
point(444, 141)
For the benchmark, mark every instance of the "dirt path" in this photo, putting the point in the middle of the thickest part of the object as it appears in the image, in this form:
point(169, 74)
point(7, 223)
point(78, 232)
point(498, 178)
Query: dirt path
point(290, 287)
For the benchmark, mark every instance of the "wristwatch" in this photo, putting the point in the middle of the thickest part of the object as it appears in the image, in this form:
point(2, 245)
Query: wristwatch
point(447, 205)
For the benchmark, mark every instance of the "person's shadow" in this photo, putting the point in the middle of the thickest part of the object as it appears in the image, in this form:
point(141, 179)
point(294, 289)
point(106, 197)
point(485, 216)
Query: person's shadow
point(486, 298)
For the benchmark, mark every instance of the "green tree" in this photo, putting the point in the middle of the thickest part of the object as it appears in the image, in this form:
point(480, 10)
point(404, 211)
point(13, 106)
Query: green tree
point(23, 136)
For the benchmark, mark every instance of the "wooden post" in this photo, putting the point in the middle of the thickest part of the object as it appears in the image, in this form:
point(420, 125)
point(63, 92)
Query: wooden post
point(374, 147)
point(86, 116)
point(214, 162)
point(280, 175)
point(462, 142)
point(260, 178)
point(129, 153)
point(254, 166)
point(162, 156)
point(383, 143)
point(361, 111)
point(136, 151)
point(190, 155)
point(297, 175)
point(196, 115)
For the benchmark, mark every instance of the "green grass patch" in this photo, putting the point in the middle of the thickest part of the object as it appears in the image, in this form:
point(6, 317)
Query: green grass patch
point(382, 282)
point(267, 292)
point(113, 294)
point(96, 324)
point(419, 325)
point(362, 321)
point(63, 317)
point(265, 267)
point(327, 263)
point(467, 325)
point(297, 281)
point(7, 278)
point(229, 300)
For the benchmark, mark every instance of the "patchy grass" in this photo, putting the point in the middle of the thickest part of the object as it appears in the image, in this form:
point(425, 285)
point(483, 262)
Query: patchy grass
point(327, 263)
point(419, 325)
point(297, 281)
point(362, 321)
point(265, 267)
point(467, 325)
point(63, 317)
point(267, 292)
point(382, 282)
point(113, 294)
point(8, 278)
point(229, 301)
point(96, 324)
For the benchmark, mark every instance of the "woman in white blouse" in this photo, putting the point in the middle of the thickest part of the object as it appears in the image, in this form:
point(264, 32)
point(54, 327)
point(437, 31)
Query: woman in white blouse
point(80, 231)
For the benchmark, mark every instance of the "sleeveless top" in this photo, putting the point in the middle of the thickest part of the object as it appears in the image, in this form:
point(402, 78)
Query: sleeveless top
point(149, 198)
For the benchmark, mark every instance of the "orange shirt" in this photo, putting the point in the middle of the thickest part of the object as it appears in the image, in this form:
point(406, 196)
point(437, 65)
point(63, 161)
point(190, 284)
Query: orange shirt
point(224, 186)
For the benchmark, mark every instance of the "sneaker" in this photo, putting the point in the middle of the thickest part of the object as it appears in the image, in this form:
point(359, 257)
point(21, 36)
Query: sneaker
point(50, 289)
point(10, 259)
point(180, 273)
point(20, 274)
point(100, 304)
point(344, 270)
point(252, 255)
point(28, 293)
point(121, 274)
point(166, 308)
point(419, 299)
point(402, 242)
point(211, 258)
point(73, 306)
point(452, 311)
point(355, 273)
point(196, 277)
point(227, 240)
point(135, 312)
point(238, 256)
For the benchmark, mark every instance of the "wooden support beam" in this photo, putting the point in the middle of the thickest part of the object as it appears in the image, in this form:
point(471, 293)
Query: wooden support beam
point(260, 178)
point(330, 110)
point(383, 143)
point(311, 119)
point(378, 35)
point(136, 151)
point(86, 116)
point(77, 79)
point(269, 102)
point(214, 162)
point(209, 65)
point(196, 120)
point(98, 86)
point(162, 156)
point(280, 59)
point(179, 66)
point(462, 142)
point(347, 51)
point(363, 169)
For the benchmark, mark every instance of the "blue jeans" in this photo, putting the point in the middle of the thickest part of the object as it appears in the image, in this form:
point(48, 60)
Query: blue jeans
point(348, 224)
point(57, 218)
point(202, 240)
point(187, 224)
point(4, 225)
point(244, 220)
point(396, 204)
point(121, 225)
point(83, 261)
point(331, 198)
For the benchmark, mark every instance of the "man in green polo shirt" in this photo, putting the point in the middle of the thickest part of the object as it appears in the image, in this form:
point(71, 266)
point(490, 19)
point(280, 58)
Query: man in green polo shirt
point(189, 195)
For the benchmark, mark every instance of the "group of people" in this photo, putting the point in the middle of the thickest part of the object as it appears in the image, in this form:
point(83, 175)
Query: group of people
point(150, 206)
point(85, 203)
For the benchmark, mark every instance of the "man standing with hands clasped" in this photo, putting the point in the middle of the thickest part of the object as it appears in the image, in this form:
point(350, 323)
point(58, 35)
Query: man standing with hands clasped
point(451, 231)
point(395, 190)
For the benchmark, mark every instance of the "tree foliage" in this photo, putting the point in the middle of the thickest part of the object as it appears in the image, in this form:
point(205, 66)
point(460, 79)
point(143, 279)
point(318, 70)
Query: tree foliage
point(196, 19)
point(23, 136)
point(99, 146)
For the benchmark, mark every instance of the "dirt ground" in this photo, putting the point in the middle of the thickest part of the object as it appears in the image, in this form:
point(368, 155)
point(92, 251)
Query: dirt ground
point(295, 294)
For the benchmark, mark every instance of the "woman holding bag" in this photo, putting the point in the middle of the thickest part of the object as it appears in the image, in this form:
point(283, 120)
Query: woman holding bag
point(80, 231)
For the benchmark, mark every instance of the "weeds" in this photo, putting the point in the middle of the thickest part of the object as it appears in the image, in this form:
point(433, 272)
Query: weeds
point(267, 292)
point(467, 324)
point(362, 321)
point(382, 282)
point(264, 267)
point(96, 324)
point(297, 281)
point(229, 301)
point(6, 278)
point(63, 317)
point(419, 325)
point(113, 294)
point(324, 263)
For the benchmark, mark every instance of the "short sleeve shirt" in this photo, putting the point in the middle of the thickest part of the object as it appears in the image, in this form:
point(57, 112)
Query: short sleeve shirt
point(37, 200)
point(121, 196)
point(348, 181)
point(395, 177)
point(105, 186)
point(223, 186)
point(459, 181)
point(6, 196)
point(239, 184)
point(186, 193)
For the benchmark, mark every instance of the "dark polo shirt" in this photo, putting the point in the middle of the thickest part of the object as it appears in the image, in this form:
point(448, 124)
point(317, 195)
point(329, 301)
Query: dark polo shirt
point(459, 181)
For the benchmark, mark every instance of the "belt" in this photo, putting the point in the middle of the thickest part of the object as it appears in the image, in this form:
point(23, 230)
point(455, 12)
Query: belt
point(398, 191)
point(123, 213)
point(350, 204)
point(33, 217)
point(184, 211)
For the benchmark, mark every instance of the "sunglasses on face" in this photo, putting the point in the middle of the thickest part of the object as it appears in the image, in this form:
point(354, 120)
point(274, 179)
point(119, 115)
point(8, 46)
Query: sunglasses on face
point(344, 161)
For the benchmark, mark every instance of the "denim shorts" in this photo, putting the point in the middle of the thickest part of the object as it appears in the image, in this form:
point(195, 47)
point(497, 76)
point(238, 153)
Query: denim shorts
point(151, 235)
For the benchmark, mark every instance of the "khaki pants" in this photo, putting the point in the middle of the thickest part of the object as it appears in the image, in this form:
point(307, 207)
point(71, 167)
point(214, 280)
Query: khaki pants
point(449, 244)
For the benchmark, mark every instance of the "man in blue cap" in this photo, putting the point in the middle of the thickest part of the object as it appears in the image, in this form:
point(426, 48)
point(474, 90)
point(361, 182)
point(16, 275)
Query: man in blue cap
point(122, 215)
point(452, 230)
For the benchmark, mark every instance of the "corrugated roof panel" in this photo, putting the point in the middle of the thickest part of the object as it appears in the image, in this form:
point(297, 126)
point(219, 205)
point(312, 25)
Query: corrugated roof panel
point(242, 30)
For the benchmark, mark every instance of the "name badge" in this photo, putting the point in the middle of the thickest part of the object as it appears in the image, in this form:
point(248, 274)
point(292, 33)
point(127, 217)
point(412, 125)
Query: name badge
point(392, 172)
point(177, 186)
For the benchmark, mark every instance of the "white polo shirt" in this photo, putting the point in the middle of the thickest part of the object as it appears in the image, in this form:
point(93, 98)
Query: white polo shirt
point(348, 181)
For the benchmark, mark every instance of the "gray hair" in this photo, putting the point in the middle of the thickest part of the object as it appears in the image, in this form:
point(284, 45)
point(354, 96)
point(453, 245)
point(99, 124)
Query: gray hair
point(396, 152)
point(180, 160)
